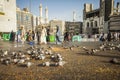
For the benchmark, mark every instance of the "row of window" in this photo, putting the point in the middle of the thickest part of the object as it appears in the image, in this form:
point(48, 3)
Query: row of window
point(91, 24)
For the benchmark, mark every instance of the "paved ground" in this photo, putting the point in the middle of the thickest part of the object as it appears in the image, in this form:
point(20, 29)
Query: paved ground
point(79, 66)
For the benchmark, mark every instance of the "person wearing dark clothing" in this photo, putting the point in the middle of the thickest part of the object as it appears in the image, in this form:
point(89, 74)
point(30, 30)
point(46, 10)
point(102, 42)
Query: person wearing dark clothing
point(38, 34)
point(33, 35)
point(38, 37)
point(66, 35)
point(48, 34)
point(109, 36)
point(12, 36)
point(102, 38)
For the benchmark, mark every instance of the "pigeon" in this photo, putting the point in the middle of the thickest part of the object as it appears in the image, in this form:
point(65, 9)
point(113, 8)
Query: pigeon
point(15, 61)
point(13, 53)
point(50, 52)
point(60, 63)
point(28, 64)
point(50, 47)
point(5, 53)
point(114, 60)
point(21, 61)
point(29, 52)
point(84, 48)
point(71, 48)
point(7, 62)
point(46, 64)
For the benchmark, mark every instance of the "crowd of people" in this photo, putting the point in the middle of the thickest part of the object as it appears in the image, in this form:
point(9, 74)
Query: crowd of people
point(41, 35)
point(22, 36)
point(110, 36)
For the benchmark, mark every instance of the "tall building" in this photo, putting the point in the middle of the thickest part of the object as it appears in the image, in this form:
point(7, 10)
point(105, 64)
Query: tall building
point(74, 16)
point(42, 21)
point(91, 19)
point(24, 17)
point(7, 15)
point(96, 20)
point(41, 17)
point(34, 22)
point(46, 15)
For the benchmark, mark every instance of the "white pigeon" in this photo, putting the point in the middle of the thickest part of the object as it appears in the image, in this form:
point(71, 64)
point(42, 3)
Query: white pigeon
point(28, 64)
point(84, 48)
point(13, 53)
point(21, 61)
point(7, 62)
point(29, 52)
point(60, 59)
point(47, 63)
point(5, 53)
point(15, 60)
point(27, 58)
point(61, 63)
point(2, 59)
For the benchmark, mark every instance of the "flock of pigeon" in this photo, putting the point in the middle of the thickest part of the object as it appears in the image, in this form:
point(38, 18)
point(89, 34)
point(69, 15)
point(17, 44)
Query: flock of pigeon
point(104, 47)
point(32, 53)
point(8, 57)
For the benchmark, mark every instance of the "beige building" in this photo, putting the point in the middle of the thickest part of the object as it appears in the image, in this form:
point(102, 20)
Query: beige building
point(96, 20)
point(24, 17)
point(7, 15)
point(73, 27)
point(35, 22)
point(59, 23)
point(114, 22)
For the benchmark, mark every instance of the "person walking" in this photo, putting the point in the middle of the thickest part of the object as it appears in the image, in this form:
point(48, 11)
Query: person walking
point(12, 36)
point(38, 34)
point(58, 33)
point(23, 34)
point(18, 34)
point(33, 35)
point(43, 36)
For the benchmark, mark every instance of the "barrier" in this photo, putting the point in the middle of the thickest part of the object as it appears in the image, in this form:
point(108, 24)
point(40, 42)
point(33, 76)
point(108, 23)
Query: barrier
point(52, 38)
point(76, 38)
point(6, 36)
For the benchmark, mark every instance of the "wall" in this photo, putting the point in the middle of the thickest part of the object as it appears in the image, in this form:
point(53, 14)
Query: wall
point(8, 20)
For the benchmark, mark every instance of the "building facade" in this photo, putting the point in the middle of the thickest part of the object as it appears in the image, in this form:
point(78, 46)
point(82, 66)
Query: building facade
point(7, 15)
point(114, 22)
point(95, 21)
point(73, 27)
point(54, 23)
point(24, 18)
point(35, 22)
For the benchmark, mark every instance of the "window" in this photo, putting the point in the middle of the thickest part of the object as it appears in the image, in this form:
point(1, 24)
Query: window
point(87, 24)
point(91, 24)
point(96, 24)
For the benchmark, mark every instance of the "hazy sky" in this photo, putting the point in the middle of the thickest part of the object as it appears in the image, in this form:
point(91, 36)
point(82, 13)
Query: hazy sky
point(60, 9)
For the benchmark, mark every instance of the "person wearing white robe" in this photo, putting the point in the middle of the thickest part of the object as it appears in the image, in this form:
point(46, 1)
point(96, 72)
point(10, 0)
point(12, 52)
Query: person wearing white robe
point(22, 34)
point(43, 36)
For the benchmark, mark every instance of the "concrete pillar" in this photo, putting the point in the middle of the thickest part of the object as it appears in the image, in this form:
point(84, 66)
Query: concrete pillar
point(112, 7)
